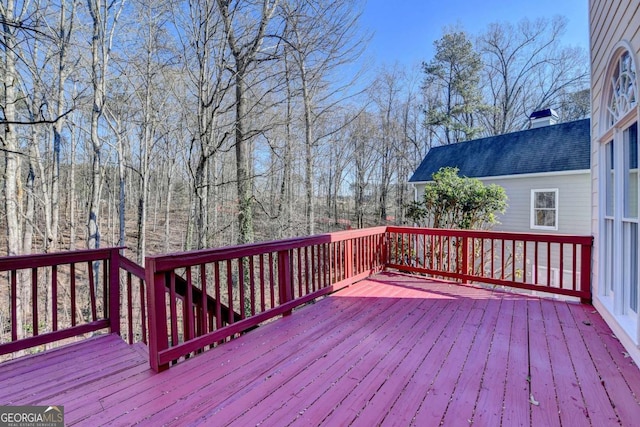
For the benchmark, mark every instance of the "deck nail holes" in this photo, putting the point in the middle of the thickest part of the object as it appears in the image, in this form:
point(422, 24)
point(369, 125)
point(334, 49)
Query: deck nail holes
point(586, 322)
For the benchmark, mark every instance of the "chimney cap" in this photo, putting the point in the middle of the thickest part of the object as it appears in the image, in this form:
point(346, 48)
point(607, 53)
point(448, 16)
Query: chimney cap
point(541, 114)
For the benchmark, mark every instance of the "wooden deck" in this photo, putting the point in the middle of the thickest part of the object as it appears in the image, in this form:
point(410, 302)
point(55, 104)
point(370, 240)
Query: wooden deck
point(392, 350)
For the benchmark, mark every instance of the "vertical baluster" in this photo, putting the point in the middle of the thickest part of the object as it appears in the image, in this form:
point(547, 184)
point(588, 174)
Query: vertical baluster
point(14, 305)
point(218, 294)
point(307, 278)
point(574, 266)
point(92, 291)
point(54, 297)
point(129, 309)
point(271, 280)
point(548, 264)
point(143, 311)
point(252, 286)
point(230, 311)
point(513, 260)
point(204, 301)
point(561, 269)
point(34, 302)
point(105, 290)
point(493, 258)
point(535, 262)
point(74, 304)
point(524, 262)
point(299, 268)
point(262, 287)
point(502, 258)
point(243, 313)
point(173, 310)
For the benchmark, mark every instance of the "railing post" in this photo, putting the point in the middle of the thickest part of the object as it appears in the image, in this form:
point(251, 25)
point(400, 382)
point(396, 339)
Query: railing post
point(465, 257)
point(285, 284)
point(157, 314)
point(384, 254)
point(585, 271)
point(114, 291)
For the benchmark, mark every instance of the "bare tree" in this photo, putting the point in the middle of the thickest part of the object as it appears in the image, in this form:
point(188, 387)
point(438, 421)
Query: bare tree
point(322, 37)
point(245, 40)
point(526, 69)
point(104, 16)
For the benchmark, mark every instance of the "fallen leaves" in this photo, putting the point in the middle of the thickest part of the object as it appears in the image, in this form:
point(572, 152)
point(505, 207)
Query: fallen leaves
point(533, 401)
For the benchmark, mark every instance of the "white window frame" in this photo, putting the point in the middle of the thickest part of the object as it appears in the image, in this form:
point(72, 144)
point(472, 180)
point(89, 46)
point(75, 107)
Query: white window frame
point(619, 110)
point(533, 224)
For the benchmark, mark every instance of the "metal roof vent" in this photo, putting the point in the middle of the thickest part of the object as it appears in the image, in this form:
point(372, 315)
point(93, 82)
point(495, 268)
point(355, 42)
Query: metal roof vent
point(542, 118)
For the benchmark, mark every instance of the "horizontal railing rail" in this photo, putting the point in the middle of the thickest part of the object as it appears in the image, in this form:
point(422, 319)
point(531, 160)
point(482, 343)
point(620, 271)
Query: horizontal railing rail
point(558, 264)
point(249, 284)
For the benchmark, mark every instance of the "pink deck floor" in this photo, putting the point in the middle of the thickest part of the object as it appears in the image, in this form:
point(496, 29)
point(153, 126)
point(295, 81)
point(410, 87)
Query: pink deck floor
point(390, 350)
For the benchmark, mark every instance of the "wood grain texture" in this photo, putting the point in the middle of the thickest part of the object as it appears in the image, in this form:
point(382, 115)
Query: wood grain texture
point(391, 350)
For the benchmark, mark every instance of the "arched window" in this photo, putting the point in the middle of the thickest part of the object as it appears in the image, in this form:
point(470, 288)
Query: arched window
point(623, 91)
point(619, 191)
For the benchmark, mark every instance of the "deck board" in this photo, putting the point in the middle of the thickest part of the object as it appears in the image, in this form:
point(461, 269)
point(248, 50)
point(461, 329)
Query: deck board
point(392, 350)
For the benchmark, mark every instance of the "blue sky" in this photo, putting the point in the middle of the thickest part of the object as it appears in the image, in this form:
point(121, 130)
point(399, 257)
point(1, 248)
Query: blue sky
point(404, 30)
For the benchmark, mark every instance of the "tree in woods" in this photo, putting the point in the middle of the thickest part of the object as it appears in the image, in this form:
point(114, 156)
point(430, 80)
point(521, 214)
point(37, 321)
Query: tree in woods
point(451, 201)
point(104, 18)
point(527, 69)
point(245, 39)
point(320, 38)
point(454, 74)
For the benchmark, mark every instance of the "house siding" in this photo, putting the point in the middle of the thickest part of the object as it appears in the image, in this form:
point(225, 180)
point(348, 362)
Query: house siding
point(611, 22)
point(574, 215)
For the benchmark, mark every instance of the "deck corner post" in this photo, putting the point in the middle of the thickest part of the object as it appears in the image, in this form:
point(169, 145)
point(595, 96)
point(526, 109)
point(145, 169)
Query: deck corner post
point(157, 314)
point(585, 271)
point(114, 291)
point(384, 253)
point(285, 284)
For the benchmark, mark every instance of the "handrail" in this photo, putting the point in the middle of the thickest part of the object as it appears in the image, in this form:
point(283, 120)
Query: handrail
point(552, 263)
point(60, 280)
point(259, 281)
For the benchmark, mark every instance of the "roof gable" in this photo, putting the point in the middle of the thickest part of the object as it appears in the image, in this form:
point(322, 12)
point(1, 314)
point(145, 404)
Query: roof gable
point(555, 148)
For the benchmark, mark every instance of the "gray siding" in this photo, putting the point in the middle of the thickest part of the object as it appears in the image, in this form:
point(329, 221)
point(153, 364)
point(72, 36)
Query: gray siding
point(574, 200)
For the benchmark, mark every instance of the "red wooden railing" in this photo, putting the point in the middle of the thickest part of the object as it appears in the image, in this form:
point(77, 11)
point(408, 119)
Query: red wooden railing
point(557, 264)
point(79, 291)
point(80, 302)
point(185, 303)
point(253, 283)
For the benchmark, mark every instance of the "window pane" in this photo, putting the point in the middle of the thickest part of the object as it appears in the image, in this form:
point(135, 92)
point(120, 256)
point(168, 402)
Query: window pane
point(608, 179)
point(546, 218)
point(546, 199)
point(631, 171)
point(630, 264)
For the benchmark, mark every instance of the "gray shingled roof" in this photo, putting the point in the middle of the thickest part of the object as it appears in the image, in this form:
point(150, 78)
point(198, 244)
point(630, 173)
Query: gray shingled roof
point(561, 147)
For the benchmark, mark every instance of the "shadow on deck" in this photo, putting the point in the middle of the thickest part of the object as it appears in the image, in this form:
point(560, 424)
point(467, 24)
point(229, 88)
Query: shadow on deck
point(393, 349)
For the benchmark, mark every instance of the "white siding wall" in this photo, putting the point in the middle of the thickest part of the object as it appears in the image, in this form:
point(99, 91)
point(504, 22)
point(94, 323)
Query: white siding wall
point(611, 22)
point(574, 190)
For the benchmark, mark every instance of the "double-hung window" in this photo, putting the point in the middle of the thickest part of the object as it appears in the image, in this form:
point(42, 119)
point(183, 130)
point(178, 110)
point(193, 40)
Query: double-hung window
point(544, 209)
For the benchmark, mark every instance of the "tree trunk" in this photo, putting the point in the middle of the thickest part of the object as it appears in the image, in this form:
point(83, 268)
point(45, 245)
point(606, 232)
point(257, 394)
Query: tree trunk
point(245, 198)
